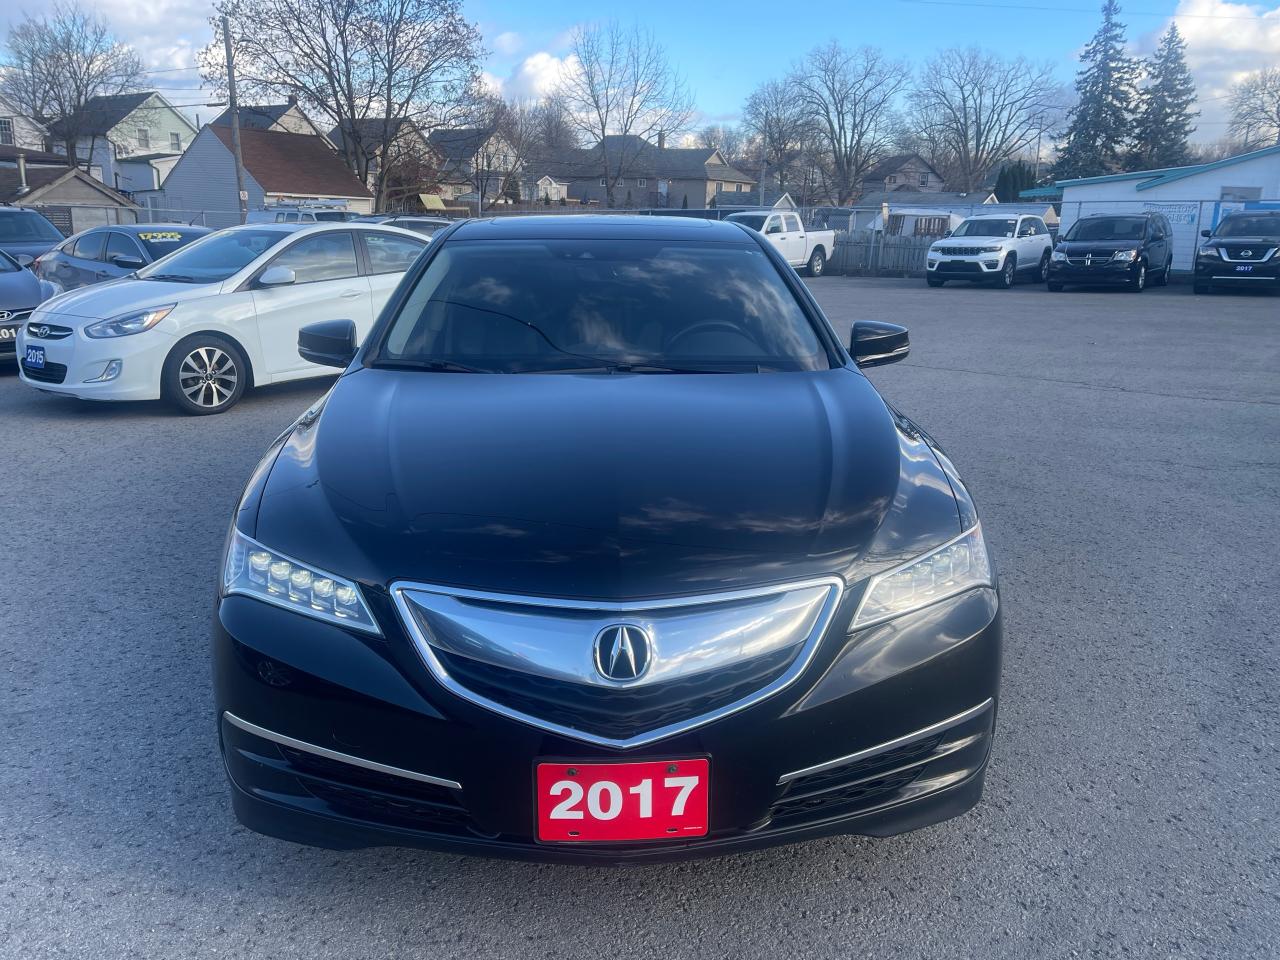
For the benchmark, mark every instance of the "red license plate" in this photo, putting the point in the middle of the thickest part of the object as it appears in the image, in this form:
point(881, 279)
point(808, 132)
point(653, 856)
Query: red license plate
point(656, 800)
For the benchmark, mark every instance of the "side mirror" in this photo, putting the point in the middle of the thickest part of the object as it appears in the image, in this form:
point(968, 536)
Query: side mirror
point(330, 343)
point(946, 234)
point(25, 259)
point(277, 277)
point(128, 262)
point(874, 343)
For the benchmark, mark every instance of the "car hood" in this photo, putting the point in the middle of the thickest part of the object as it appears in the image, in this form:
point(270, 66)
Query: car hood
point(1265, 242)
point(602, 487)
point(115, 297)
point(20, 290)
point(1078, 248)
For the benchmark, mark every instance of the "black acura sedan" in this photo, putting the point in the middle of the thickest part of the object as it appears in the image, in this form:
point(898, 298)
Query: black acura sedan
point(603, 549)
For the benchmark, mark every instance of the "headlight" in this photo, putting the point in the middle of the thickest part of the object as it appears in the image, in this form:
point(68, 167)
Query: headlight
point(1125, 256)
point(1210, 252)
point(1058, 257)
point(995, 249)
point(952, 568)
point(256, 571)
point(129, 323)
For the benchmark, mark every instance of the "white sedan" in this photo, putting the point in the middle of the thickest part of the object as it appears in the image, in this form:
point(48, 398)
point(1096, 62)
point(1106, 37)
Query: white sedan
point(201, 325)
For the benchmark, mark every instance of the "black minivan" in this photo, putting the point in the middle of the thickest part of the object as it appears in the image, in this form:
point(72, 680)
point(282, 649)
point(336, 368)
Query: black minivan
point(1131, 249)
point(1240, 252)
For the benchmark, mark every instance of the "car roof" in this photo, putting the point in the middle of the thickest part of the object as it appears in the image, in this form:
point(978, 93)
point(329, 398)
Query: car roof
point(133, 229)
point(601, 226)
point(1131, 214)
point(997, 216)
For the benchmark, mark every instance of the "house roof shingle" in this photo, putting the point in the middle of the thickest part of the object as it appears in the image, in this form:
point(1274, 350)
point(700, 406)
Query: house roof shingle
point(891, 165)
point(460, 143)
point(10, 154)
point(294, 163)
point(40, 177)
point(100, 114)
point(253, 118)
point(641, 159)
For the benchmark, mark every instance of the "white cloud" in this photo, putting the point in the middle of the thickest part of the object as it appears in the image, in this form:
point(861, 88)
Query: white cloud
point(1225, 42)
point(537, 75)
point(508, 43)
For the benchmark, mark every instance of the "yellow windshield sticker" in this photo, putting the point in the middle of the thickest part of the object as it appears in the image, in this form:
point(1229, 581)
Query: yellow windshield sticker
point(166, 237)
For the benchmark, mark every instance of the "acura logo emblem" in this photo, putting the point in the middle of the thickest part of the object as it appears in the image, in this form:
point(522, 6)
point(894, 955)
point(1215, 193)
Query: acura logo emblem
point(623, 651)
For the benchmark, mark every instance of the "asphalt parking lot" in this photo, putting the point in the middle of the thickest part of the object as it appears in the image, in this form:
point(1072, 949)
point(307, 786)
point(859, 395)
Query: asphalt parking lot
point(1125, 452)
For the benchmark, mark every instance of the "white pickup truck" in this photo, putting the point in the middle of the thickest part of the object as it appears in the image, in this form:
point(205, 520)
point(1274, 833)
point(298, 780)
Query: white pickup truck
point(810, 249)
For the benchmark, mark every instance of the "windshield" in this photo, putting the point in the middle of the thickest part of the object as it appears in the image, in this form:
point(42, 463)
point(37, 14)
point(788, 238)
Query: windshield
point(1249, 226)
point(753, 220)
point(1107, 228)
point(27, 227)
point(502, 306)
point(213, 258)
point(985, 228)
point(162, 242)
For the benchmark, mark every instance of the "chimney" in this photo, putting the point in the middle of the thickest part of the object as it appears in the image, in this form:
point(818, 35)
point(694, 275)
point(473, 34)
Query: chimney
point(22, 173)
point(662, 139)
point(292, 99)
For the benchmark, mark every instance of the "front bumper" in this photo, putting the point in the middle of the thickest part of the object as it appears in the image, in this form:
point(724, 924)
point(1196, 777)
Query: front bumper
point(73, 362)
point(1099, 273)
point(983, 266)
point(1227, 273)
point(342, 740)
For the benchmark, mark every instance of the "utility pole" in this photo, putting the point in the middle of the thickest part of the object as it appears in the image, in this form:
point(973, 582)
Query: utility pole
point(242, 196)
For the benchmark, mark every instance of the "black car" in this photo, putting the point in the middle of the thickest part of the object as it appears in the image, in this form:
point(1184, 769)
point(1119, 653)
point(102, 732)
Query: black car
point(26, 234)
point(1132, 249)
point(602, 548)
point(105, 253)
point(1243, 251)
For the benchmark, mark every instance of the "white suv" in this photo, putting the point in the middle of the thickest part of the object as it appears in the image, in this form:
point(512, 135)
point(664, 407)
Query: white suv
point(992, 246)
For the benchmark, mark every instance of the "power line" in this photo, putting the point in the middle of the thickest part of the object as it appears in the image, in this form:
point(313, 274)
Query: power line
point(169, 70)
point(1041, 8)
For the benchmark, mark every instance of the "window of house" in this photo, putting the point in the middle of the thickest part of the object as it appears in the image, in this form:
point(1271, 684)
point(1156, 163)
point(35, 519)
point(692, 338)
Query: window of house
point(892, 178)
point(719, 186)
point(175, 142)
point(144, 138)
point(604, 182)
point(641, 182)
point(6, 131)
point(924, 179)
point(737, 188)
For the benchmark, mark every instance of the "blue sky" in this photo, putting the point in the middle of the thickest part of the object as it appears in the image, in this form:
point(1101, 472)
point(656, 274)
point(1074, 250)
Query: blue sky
point(722, 64)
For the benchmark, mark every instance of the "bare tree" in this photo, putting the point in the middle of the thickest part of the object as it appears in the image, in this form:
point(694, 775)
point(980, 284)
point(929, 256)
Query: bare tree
point(510, 130)
point(781, 124)
point(1255, 110)
point(622, 94)
point(725, 138)
point(849, 95)
point(983, 110)
point(58, 62)
point(366, 67)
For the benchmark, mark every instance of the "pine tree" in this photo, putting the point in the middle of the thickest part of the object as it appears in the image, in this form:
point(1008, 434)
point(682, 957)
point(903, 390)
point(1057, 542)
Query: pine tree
point(1101, 120)
point(1164, 120)
point(1013, 179)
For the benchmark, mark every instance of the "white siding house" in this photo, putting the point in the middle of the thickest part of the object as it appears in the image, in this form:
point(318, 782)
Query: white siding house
point(19, 130)
point(1194, 197)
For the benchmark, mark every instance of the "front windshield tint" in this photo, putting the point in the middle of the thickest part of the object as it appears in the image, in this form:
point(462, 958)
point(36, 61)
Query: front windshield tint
point(1107, 228)
point(214, 258)
point(1249, 226)
point(985, 228)
point(527, 306)
point(753, 220)
point(27, 227)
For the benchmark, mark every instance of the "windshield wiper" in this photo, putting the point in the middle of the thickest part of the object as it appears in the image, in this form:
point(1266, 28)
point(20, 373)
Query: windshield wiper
point(172, 277)
point(663, 368)
point(434, 365)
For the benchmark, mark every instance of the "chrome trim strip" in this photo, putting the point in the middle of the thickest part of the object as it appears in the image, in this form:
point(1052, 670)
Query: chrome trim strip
point(328, 754)
point(879, 748)
point(1271, 252)
point(798, 666)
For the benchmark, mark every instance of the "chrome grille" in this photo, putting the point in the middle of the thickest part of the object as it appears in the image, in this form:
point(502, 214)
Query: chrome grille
point(534, 658)
point(40, 330)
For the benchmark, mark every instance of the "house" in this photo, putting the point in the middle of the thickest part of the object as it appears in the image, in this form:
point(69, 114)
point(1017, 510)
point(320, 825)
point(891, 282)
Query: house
point(867, 212)
point(9, 156)
point(548, 189)
point(278, 117)
point(924, 221)
point(1193, 198)
point(278, 167)
point(70, 198)
point(476, 167)
point(397, 144)
point(19, 130)
point(644, 174)
point(109, 129)
point(903, 171)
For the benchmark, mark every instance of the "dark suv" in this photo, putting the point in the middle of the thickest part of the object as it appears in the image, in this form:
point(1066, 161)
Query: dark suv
point(1241, 252)
point(1109, 248)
